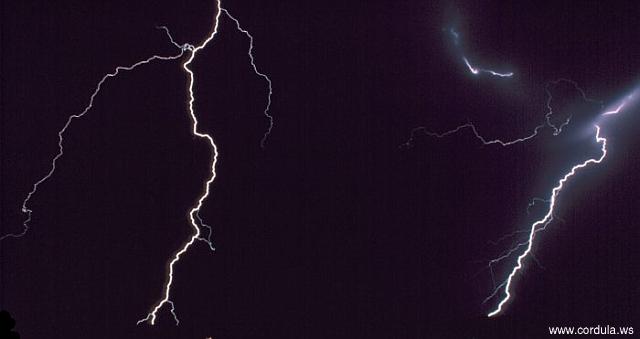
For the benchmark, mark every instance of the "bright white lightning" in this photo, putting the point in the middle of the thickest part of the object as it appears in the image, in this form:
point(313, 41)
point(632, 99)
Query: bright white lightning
point(476, 71)
point(34, 189)
point(471, 68)
point(194, 213)
point(547, 219)
point(626, 101)
point(615, 111)
point(541, 224)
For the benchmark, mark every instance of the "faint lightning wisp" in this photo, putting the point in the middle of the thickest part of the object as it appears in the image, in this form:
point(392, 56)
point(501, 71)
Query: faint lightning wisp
point(478, 136)
point(474, 70)
point(255, 70)
point(34, 189)
point(557, 129)
point(194, 214)
point(547, 219)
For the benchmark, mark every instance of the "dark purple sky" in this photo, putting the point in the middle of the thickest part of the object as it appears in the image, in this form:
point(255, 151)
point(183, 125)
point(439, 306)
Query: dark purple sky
point(333, 230)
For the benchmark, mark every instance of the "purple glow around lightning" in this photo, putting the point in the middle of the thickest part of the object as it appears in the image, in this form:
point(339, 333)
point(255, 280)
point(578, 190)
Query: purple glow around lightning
point(548, 218)
point(476, 71)
point(541, 224)
point(195, 220)
point(473, 69)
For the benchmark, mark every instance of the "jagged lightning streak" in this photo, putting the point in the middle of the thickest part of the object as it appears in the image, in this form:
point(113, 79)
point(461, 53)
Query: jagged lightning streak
point(194, 213)
point(546, 220)
point(34, 189)
point(549, 217)
point(558, 129)
point(478, 136)
point(255, 70)
point(542, 223)
point(625, 102)
point(547, 120)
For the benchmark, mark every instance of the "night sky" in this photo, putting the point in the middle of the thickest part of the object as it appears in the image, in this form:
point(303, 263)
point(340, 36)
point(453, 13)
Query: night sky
point(336, 229)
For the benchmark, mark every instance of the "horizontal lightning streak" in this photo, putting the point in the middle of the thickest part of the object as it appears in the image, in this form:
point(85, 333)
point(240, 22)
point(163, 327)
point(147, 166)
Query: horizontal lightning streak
point(478, 136)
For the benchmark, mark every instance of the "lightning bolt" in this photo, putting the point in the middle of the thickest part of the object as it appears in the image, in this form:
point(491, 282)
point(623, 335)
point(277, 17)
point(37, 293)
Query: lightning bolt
point(625, 102)
point(61, 132)
point(474, 70)
point(196, 221)
point(548, 218)
point(547, 121)
point(194, 213)
point(557, 129)
point(262, 75)
point(473, 129)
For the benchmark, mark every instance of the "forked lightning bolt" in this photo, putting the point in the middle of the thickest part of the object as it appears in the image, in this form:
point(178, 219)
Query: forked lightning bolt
point(547, 219)
point(194, 214)
point(34, 189)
